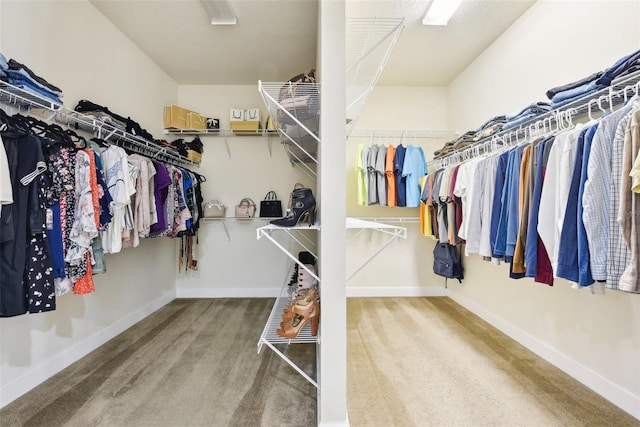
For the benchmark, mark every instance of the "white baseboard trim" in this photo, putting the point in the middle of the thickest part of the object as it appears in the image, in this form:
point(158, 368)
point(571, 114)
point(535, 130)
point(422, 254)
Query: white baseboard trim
point(617, 395)
point(227, 292)
point(16, 388)
point(334, 424)
point(397, 291)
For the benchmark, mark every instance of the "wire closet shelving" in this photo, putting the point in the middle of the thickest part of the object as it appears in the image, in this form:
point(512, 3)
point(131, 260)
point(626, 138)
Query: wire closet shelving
point(24, 101)
point(295, 110)
point(590, 105)
point(269, 336)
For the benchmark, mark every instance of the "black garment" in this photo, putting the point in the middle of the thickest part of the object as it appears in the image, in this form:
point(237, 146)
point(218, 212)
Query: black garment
point(131, 126)
point(38, 273)
point(23, 154)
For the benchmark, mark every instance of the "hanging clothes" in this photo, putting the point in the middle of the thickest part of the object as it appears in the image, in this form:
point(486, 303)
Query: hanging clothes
point(27, 284)
point(414, 167)
point(536, 258)
point(392, 199)
point(629, 208)
point(381, 174)
point(6, 190)
point(401, 186)
point(61, 200)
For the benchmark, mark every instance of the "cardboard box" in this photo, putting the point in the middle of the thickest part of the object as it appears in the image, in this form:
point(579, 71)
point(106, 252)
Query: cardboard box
point(196, 121)
point(176, 117)
point(194, 156)
point(239, 126)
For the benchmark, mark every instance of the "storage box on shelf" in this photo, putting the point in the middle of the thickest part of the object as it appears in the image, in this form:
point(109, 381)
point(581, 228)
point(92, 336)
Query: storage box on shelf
point(176, 117)
point(196, 121)
point(251, 127)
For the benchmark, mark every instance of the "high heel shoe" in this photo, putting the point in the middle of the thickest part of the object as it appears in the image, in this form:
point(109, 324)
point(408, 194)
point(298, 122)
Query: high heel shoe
point(305, 258)
point(301, 315)
point(302, 300)
point(303, 207)
point(305, 280)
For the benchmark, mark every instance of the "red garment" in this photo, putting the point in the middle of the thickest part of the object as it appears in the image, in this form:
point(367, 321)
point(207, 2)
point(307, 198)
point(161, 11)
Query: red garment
point(545, 270)
point(84, 285)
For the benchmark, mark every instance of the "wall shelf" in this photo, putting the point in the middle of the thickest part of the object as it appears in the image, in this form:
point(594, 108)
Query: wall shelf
point(27, 102)
point(220, 132)
point(225, 133)
point(226, 221)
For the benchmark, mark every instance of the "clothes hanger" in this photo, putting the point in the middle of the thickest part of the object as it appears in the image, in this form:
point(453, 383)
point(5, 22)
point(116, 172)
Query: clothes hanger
point(78, 140)
point(100, 142)
point(602, 109)
point(610, 99)
point(589, 111)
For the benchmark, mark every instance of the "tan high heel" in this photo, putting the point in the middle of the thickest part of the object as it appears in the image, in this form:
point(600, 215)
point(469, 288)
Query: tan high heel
point(302, 300)
point(301, 315)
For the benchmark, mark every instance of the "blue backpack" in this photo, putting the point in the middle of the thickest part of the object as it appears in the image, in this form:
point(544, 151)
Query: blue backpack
point(447, 262)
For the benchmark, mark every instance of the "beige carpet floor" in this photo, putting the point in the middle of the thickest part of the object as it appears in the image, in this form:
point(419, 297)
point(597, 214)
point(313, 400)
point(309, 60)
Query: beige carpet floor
point(411, 362)
point(194, 362)
point(430, 362)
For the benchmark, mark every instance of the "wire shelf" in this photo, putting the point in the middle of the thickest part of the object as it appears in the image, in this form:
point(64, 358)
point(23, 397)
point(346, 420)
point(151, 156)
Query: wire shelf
point(369, 43)
point(614, 95)
point(269, 333)
point(295, 109)
point(25, 101)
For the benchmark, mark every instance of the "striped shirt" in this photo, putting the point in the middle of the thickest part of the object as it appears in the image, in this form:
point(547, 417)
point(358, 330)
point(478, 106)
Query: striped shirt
point(618, 253)
point(596, 200)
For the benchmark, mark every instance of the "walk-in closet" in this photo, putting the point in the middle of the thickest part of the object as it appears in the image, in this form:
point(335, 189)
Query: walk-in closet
point(230, 213)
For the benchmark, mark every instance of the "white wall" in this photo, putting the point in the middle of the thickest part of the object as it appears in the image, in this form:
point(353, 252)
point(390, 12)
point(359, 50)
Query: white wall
point(397, 270)
point(239, 265)
point(74, 47)
point(595, 337)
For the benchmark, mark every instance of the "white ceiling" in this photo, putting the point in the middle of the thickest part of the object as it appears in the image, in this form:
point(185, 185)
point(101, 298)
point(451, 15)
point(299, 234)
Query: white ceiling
point(276, 39)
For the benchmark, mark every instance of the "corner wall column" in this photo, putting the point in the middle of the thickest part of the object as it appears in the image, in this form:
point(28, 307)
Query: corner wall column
point(332, 372)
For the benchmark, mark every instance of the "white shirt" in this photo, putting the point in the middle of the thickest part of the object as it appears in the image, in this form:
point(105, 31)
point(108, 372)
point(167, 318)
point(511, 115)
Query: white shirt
point(6, 190)
point(555, 191)
point(117, 177)
point(473, 226)
point(486, 205)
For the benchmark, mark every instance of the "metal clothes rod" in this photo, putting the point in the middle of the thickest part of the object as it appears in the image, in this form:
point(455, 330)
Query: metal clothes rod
point(392, 219)
point(402, 134)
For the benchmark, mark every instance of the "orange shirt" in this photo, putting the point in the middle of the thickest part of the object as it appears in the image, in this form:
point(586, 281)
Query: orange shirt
point(391, 177)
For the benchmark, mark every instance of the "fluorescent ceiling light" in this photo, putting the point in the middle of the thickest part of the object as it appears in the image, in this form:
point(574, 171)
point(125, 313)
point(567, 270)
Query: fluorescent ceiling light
point(440, 12)
point(220, 12)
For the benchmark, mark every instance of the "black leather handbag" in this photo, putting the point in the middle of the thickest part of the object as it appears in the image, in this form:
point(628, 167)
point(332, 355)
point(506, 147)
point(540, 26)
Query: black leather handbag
point(271, 207)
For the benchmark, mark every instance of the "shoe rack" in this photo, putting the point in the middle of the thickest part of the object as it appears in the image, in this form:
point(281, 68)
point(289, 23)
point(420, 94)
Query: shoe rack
point(298, 234)
point(295, 110)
